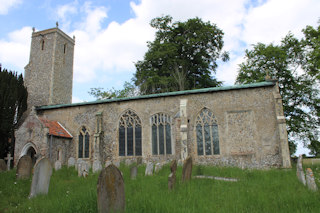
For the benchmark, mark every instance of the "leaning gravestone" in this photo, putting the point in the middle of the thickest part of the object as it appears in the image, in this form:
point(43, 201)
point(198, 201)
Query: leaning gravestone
point(187, 169)
point(41, 178)
point(96, 166)
point(71, 161)
point(110, 190)
point(57, 165)
point(310, 180)
point(3, 166)
point(24, 167)
point(300, 172)
point(133, 172)
point(149, 169)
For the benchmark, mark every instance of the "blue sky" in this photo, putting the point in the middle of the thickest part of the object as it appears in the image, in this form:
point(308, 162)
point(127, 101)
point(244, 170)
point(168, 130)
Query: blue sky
point(111, 35)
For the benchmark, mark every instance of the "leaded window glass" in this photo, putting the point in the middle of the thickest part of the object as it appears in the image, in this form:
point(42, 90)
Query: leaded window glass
point(84, 143)
point(207, 133)
point(130, 134)
point(161, 134)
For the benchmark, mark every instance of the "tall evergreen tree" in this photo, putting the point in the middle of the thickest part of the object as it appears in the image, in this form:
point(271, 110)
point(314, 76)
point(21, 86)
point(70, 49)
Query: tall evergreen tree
point(295, 64)
point(13, 102)
point(183, 56)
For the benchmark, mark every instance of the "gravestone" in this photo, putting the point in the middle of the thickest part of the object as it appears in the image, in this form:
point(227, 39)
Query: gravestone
point(24, 167)
point(96, 166)
point(187, 169)
point(8, 158)
point(3, 166)
point(71, 161)
point(172, 175)
point(83, 169)
point(157, 167)
point(310, 180)
point(133, 172)
point(41, 178)
point(57, 165)
point(300, 172)
point(110, 190)
point(139, 160)
point(78, 163)
point(149, 169)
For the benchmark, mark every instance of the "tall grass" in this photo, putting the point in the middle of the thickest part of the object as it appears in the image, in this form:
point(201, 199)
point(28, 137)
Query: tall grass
point(256, 191)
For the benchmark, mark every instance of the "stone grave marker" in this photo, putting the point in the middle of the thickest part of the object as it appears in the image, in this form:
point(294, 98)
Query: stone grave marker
point(149, 169)
point(300, 172)
point(78, 163)
point(110, 190)
point(139, 160)
point(157, 167)
point(8, 158)
point(187, 169)
point(96, 166)
point(24, 167)
point(57, 165)
point(71, 161)
point(172, 175)
point(41, 178)
point(83, 169)
point(3, 166)
point(311, 183)
point(173, 166)
point(133, 172)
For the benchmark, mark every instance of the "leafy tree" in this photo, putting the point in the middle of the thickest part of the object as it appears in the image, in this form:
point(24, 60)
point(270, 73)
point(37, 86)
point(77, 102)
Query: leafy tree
point(295, 64)
point(129, 90)
point(183, 56)
point(13, 102)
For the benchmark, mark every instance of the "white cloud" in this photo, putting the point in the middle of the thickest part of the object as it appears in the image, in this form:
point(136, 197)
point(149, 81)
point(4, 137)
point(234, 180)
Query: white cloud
point(6, 5)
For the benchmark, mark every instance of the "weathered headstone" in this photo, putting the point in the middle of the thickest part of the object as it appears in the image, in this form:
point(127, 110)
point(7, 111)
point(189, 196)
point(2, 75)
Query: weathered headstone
point(171, 180)
point(128, 162)
point(71, 161)
point(110, 190)
point(57, 165)
point(24, 167)
point(133, 172)
point(41, 178)
point(78, 164)
point(83, 169)
point(139, 160)
point(157, 167)
point(187, 169)
point(173, 166)
point(310, 180)
point(149, 169)
point(96, 166)
point(300, 172)
point(3, 166)
point(8, 158)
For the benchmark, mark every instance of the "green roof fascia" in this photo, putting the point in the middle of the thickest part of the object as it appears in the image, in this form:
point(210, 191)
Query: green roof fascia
point(167, 94)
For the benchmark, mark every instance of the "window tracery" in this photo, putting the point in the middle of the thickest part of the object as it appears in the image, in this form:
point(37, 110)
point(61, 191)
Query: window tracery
point(161, 134)
point(84, 143)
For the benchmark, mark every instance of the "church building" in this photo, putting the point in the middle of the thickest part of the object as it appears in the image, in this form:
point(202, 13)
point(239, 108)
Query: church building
point(240, 125)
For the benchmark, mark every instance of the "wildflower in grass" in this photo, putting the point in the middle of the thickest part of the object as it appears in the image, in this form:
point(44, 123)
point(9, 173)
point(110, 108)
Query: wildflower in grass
point(15, 183)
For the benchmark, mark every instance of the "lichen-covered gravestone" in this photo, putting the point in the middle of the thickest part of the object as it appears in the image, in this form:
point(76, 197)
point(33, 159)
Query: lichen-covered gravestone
point(71, 162)
point(24, 167)
point(133, 172)
point(3, 166)
point(300, 172)
point(187, 169)
point(57, 165)
point(110, 190)
point(41, 178)
point(310, 180)
point(172, 175)
point(149, 169)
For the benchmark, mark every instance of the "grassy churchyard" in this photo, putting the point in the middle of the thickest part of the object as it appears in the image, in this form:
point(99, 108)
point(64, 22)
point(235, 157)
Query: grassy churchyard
point(273, 190)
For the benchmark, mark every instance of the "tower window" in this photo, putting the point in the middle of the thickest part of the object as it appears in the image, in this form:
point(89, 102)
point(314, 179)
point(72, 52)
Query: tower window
point(42, 44)
point(64, 48)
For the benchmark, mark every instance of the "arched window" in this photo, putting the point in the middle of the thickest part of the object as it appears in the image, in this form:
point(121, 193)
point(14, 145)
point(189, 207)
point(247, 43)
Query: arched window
point(207, 133)
point(161, 134)
point(84, 143)
point(130, 134)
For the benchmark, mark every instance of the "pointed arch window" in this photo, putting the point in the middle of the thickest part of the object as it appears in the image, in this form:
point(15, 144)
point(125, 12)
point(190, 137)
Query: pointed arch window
point(207, 133)
point(161, 134)
point(130, 134)
point(84, 143)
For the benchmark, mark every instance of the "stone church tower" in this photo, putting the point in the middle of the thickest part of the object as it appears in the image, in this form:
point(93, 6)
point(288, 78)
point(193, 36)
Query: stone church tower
point(49, 73)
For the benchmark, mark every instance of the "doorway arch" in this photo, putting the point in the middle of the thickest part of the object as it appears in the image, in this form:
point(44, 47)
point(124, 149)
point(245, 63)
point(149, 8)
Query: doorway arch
point(31, 150)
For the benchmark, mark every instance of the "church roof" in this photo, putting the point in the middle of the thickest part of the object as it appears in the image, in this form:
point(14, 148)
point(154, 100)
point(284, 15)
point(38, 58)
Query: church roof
point(167, 94)
point(56, 129)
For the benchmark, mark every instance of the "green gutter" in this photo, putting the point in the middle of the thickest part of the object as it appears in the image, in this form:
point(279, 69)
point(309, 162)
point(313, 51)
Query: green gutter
point(167, 94)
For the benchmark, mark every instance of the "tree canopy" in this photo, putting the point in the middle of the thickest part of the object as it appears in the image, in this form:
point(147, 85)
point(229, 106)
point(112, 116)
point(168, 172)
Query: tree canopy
point(183, 56)
point(295, 64)
point(129, 90)
point(13, 102)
